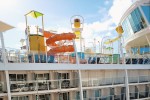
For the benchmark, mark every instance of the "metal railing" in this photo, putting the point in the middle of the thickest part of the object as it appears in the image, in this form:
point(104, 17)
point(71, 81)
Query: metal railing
point(109, 97)
point(3, 87)
point(38, 85)
point(139, 79)
point(68, 58)
point(139, 95)
point(103, 81)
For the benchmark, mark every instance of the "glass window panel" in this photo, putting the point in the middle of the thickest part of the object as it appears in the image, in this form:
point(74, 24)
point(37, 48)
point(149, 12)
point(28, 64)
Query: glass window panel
point(12, 77)
point(84, 94)
point(19, 77)
point(130, 31)
point(77, 95)
point(146, 10)
point(14, 98)
point(46, 76)
point(97, 93)
point(132, 23)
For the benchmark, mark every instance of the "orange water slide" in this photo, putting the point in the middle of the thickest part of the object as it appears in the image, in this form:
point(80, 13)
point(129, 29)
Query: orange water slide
point(61, 49)
point(48, 34)
point(58, 37)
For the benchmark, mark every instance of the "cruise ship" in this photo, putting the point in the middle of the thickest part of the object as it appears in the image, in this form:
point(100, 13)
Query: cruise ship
point(33, 74)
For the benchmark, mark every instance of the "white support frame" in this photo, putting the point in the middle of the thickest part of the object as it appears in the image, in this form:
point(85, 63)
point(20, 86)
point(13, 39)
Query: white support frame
point(5, 61)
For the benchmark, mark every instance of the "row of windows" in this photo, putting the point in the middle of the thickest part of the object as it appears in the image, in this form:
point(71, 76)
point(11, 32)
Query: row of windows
point(133, 23)
point(141, 50)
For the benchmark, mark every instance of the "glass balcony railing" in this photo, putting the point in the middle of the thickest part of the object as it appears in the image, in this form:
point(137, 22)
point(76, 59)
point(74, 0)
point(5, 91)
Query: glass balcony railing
point(133, 79)
point(3, 87)
point(139, 95)
point(39, 85)
point(109, 97)
point(139, 79)
point(103, 81)
point(70, 58)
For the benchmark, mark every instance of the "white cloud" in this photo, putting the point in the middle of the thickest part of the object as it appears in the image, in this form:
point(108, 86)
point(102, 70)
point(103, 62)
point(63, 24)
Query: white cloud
point(96, 27)
point(21, 26)
point(118, 9)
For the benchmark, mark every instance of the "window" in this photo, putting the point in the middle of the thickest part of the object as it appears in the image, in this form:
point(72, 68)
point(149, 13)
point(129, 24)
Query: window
point(18, 77)
point(97, 93)
point(133, 23)
point(44, 76)
point(84, 94)
point(146, 10)
point(63, 75)
point(77, 95)
point(145, 49)
point(12, 77)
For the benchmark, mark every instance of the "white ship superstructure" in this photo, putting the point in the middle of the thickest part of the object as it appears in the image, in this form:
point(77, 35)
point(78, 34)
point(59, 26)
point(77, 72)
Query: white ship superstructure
point(38, 76)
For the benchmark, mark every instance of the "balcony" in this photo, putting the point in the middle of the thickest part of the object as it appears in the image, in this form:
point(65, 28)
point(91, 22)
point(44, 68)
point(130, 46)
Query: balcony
point(109, 97)
point(40, 85)
point(103, 81)
point(140, 95)
point(3, 87)
point(139, 79)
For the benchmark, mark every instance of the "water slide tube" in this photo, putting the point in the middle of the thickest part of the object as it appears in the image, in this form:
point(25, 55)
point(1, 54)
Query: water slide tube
point(58, 37)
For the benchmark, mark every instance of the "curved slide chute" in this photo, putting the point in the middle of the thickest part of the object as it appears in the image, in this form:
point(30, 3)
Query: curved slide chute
point(58, 37)
point(60, 49)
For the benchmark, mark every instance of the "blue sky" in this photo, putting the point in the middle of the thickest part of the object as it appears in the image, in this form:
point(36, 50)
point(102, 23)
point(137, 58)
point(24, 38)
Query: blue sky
point(100, 17)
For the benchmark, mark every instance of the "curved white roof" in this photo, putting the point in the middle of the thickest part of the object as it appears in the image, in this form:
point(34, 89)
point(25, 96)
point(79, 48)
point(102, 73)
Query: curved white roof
point(132, 7)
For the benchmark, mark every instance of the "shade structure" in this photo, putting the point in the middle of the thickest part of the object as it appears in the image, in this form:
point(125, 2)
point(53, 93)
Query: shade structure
point(4, 27)
point(34, 14)
point(109, 48)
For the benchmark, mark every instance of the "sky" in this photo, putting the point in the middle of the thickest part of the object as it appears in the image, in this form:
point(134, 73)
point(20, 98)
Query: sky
point(101, 17)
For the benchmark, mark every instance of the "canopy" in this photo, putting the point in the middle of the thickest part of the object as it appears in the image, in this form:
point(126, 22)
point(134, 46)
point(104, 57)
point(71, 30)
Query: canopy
point(34, 14)
point(109, 48)
point(5, 27)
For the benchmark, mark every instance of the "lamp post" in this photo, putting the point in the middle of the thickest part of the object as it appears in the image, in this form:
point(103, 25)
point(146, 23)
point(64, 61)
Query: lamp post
point(99, 46)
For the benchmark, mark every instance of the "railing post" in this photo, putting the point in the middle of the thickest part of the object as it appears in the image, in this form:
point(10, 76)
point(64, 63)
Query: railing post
point(79, 72)
point(126, 84)
point(60, 84)
point(5, 61)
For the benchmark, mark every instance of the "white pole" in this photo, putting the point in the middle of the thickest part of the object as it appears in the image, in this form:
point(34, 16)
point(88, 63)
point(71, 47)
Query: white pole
point(79, 71)
point(5, 61)
point(126, 84)
point(126, 73)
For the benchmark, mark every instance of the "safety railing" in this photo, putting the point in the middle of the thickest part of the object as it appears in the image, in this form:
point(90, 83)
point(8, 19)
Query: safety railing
point(139, 95)
point(103, 81)
point(108, 97)
point(139, 79)
point(38, 85)
point(3, 87)
point(70, 58)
